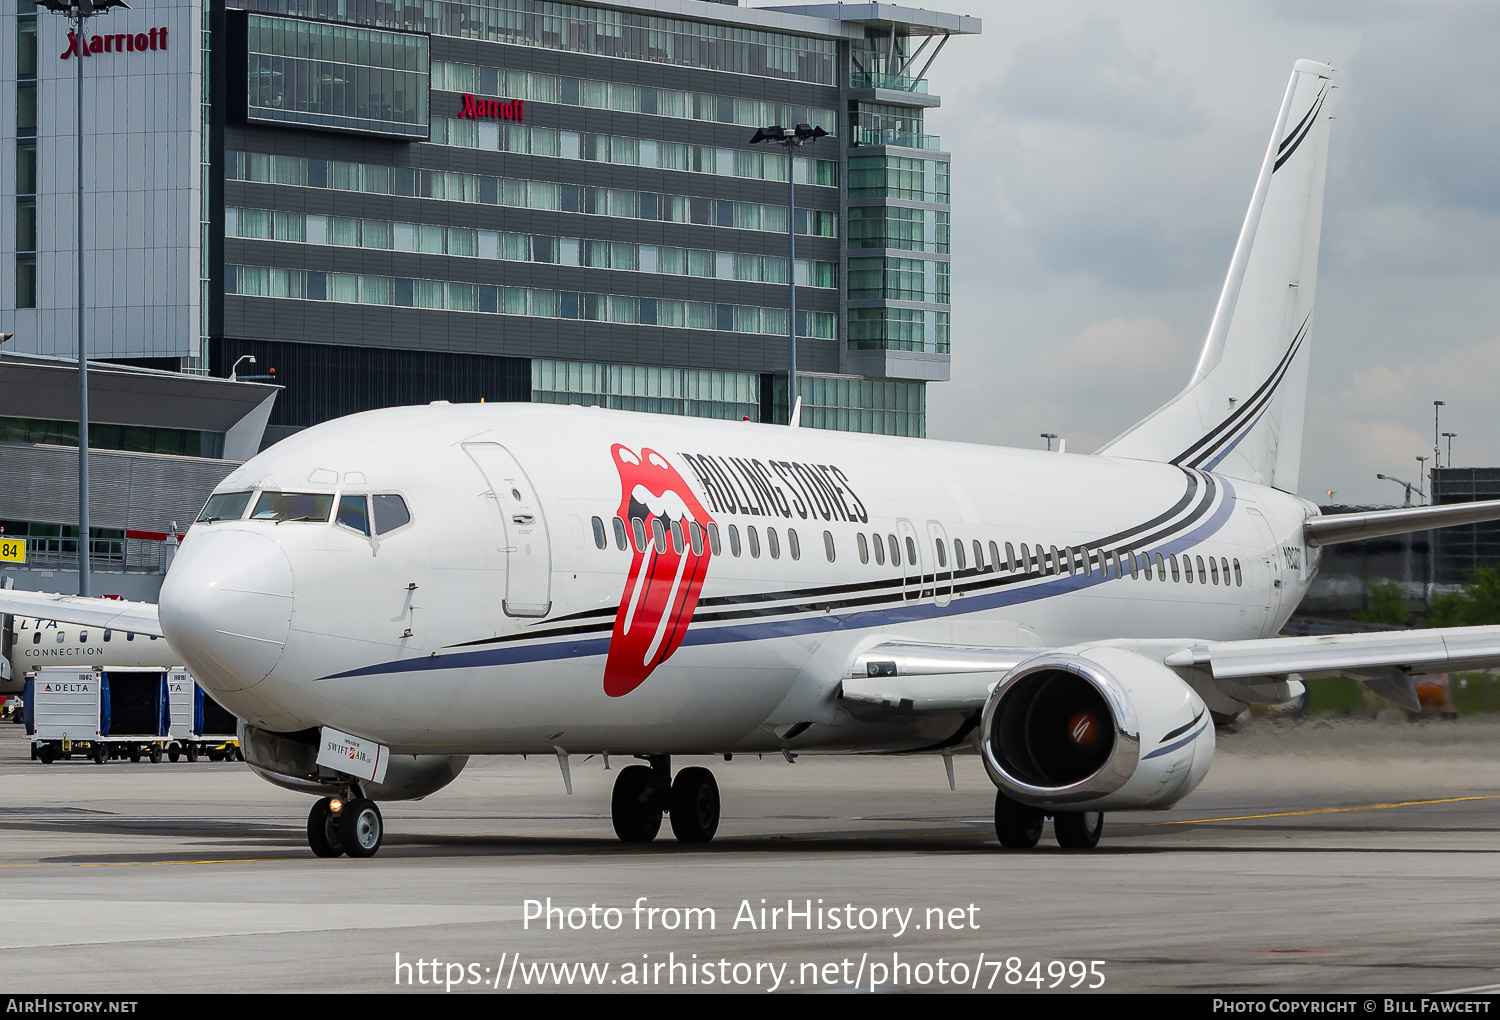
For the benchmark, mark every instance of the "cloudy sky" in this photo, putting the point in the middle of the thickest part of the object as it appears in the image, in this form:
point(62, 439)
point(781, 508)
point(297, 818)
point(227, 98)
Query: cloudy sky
point(1103, 157)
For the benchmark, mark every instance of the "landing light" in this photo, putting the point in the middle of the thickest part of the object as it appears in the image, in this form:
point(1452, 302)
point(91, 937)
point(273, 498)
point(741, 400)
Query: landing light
point(335, 805)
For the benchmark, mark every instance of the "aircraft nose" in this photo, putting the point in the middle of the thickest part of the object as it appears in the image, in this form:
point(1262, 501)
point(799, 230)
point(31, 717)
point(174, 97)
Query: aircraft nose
point(226, 607)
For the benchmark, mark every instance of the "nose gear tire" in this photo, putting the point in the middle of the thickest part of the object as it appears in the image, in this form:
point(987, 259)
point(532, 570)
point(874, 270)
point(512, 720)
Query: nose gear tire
point(323, 830)
point(361, 828)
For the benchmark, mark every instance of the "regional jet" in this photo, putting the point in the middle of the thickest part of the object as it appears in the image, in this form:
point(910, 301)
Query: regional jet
point(382, 596)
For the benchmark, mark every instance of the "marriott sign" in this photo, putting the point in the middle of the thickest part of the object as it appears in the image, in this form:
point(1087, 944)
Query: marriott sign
point(123, 42)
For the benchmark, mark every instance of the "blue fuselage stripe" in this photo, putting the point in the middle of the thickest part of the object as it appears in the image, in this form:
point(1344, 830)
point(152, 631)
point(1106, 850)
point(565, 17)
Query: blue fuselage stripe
point(825, 623)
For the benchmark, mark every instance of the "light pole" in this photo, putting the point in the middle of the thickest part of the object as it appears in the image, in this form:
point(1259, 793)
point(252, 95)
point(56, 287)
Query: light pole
point(790, 138)
point(1450, 436)
point(1409, 487)
point(1421, 470)
point(80, 11)
point(1437, 453)
point(234, 372)
point(1049, 436)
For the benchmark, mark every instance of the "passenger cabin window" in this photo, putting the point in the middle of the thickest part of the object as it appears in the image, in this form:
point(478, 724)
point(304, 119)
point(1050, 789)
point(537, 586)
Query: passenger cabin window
point(83, 637)
point(1224, 569)
point(695, 537)
point(293, 506)
point(1135, 566)
point(109, 633)
point(1057, 564)
point(1146, 565)
point(1172, 562)
point(895, 551)
point(773, 544)
point(994, 556)
point(620, 539)
point(354, 514)
point(1161, 568)
point(638, 528)
point(1202, 574)
point(958, 554)
point(942, 553)
point(979, 563)
point(1213, 569)
point(225, 506)
point(601, 539)
point(879, 544)
point(754, 540)
point(659, 533)
point(677, 542)
point(1239, 579)
point(864, 547)
point(1026, 563)
point(1010, 557)
point(911, 551)
point(734, 540)
point(828, 547)
point(793, 543)
point(390, 512)
point(36, 638)
point(713, 539)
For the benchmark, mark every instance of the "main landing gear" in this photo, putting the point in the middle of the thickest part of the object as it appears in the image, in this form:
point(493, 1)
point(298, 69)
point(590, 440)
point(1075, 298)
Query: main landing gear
point(336, 826)
point(644, 792)
point(1019, 826)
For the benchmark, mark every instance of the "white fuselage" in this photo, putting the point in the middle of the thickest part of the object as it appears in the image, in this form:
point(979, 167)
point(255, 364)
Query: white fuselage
point(492, 622)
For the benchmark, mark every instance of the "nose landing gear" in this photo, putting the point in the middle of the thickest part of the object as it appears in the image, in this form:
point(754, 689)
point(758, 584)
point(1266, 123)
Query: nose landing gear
point(643, 793)
point(354, 827)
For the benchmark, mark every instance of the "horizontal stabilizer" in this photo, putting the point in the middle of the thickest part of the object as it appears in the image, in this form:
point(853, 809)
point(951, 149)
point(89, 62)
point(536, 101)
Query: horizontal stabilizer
point(1336, 528)
point(113, 614)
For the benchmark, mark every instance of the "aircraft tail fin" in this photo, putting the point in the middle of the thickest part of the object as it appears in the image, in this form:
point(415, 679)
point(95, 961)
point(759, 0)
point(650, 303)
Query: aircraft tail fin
point(1241, 414)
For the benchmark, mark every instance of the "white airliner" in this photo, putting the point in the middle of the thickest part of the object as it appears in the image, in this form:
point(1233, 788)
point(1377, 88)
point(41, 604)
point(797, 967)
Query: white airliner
point(383, 595)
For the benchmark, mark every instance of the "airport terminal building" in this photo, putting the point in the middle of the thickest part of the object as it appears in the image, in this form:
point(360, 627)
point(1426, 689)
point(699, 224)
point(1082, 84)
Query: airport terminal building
point(393, 202)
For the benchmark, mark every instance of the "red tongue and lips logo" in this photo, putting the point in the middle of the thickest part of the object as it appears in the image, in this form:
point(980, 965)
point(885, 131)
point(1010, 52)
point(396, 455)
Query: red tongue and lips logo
point(662, 591)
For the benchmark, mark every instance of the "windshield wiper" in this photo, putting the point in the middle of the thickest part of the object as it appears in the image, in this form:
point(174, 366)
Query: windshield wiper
point(305, 517)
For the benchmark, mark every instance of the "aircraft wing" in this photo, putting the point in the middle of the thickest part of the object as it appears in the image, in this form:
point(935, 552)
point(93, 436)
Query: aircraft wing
point(1384, 660)
point(114, 614)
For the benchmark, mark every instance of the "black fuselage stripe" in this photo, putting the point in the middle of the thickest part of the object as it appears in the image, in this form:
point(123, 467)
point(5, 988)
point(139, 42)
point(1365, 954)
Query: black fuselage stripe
point(822, 592)
point(913, 588)
point(1207, 454)
point(1208, 444)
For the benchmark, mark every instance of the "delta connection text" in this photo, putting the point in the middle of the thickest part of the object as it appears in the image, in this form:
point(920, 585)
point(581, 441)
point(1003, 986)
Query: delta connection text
point(750, 915)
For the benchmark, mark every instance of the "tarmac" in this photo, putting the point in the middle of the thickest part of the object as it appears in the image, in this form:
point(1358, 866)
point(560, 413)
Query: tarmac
point(1353, 856)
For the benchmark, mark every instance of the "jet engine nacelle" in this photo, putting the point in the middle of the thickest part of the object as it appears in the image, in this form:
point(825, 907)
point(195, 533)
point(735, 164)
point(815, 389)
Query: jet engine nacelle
point(1095, 728)
point(290, 762)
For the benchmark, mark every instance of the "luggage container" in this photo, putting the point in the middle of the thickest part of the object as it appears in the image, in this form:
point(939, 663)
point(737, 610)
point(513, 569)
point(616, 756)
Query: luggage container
point(133, 712)
point(199, 725)
point(62, 709)
point(106, 713)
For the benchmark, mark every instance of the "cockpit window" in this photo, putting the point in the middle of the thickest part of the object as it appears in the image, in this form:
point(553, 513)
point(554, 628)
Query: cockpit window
point(225, 506)
point(390, 513)
point(292, 506)
point(354, 513)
